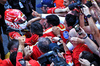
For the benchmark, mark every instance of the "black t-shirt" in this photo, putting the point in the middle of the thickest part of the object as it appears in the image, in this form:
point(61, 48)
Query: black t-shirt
point(2, 10)
point(27, 9)
point(2, 21)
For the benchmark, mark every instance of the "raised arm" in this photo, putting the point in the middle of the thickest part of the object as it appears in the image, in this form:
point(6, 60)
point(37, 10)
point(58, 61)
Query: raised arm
point(93, 27)
point(95, 4)
point(33, 20)
point(20, 50)
point(92, 46)
point(82, 24)
point(62, 10)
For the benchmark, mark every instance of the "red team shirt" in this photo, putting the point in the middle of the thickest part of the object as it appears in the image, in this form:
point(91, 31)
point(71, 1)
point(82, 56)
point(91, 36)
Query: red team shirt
point(75, 55)
point(63, 31)
point(52, 10)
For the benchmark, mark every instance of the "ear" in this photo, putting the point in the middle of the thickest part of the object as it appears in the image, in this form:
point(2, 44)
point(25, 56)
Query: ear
point(70, 27)
point(51, 25)
point(47, 8)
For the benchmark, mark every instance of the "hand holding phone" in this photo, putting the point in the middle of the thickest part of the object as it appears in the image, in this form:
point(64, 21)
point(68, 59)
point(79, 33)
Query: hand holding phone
point(78, 29)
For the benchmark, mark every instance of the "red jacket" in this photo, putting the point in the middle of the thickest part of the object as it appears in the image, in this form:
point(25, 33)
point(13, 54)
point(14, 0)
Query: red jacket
point(31, 62)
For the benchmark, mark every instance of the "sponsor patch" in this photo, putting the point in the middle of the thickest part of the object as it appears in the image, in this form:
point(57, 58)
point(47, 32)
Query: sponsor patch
point(65, 34)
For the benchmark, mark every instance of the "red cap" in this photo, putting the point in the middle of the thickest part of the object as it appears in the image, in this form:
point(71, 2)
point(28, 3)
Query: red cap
point(34, 63)
point(14, 35)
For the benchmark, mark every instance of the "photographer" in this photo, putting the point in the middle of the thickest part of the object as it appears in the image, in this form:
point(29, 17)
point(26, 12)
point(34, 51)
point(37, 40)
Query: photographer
point(19, 59)
point(79, 47)
point(92, 28)
point(87, 59)
point(40, 48)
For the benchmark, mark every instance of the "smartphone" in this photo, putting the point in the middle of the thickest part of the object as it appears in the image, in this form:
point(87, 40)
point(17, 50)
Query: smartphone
point(22, 62)
point(78, 29)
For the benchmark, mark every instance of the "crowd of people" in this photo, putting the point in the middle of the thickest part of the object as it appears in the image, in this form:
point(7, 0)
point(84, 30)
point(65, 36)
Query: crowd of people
point(67, 33)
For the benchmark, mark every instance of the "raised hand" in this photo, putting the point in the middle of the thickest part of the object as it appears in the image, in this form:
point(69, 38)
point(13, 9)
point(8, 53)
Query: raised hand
point(34, 13)
point(56, 31)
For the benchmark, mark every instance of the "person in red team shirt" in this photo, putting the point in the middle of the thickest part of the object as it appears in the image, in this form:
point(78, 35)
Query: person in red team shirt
point(19, 59)
point(79, 47)
point(46, 5)
point(51, 21)
point(36, 31)
point(59, 9)
point(10, 61)
point(40, 48)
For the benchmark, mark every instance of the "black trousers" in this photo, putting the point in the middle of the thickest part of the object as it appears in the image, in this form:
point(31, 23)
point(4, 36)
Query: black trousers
point(2, 50)
point(34, 4)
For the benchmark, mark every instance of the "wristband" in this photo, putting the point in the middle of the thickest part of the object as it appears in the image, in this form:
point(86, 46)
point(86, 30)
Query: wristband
point(85, 37)
point(60, 39)
point(88, 16)
point(20, 50)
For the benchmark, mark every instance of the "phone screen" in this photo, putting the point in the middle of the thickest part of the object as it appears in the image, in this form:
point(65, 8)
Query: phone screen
point(22, 62)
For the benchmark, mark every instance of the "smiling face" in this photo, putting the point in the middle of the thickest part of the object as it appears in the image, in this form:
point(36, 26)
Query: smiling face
point(44, 23)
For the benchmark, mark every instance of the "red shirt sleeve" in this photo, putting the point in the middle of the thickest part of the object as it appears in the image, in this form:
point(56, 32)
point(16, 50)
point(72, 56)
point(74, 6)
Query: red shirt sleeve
point(7, 62)
point(36, 52)
point(1, 62)
point(19, 56)
point(32, 40)
point(68, 57)
point(51, 10)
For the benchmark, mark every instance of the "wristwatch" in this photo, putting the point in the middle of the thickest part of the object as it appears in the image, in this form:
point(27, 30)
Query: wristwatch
point(88, 16)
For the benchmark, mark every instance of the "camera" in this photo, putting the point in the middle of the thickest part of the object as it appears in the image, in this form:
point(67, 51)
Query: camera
point(52, 56)
point(78, 29)
point(78, 1)
point(78, 4)
point(88, 4)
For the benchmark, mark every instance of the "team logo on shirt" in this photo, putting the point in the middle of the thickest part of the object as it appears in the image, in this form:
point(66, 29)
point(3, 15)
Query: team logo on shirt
point(65, 34)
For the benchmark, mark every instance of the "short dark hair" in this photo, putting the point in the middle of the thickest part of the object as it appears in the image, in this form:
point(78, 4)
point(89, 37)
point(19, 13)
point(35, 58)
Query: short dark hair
point(43, 44)
point(87, 55)
point(13, 57)
point(70, 20)
point(37, 28)
point(90, 57)
point(53, 19)
point(13, 44)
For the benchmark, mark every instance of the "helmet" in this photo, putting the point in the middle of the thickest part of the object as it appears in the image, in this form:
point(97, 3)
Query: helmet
point(15, 19)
